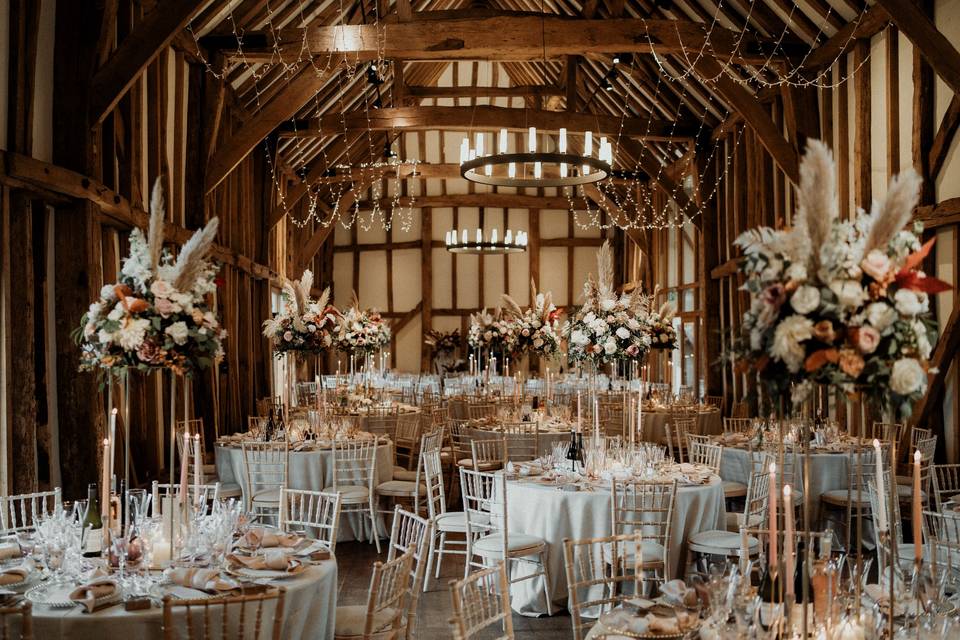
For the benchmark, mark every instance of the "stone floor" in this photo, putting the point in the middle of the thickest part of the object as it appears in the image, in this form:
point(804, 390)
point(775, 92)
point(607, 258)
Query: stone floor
point(355, 561)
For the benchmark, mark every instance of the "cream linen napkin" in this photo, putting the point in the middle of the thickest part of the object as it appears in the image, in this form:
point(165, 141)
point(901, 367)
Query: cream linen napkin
point(203, 579)
point(88, 594)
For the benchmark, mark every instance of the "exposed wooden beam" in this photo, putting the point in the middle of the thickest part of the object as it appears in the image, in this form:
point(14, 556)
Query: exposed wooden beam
point(862, 126)
point(489, 117)
point(940, 214)
point(521, 91)
point(754, 114)
point(945, 135)
point(488, 200)
point(136, 51)
point(522, 37)
point(935, 47)
point(301, 87)
point(944, 355)
point(112, 205)
point(864, 26)
point(24, 25)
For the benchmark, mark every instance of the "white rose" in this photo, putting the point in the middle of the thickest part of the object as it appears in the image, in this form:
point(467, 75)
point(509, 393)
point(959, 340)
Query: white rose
point(607, 304)
point(876, 264)
point(578, 337)
point(104, 336)
point(161, 288)
point(107, 292)
point(797, 271)
point(116, 313)
point(908, 302)
point(787, 338)
point(178, 332)
point(805, 299)
point(849, 293)
point(881, 316)
point(908, 377)
point(622, 333)
point(589, 318)
point(610, 346)
point(633, 324)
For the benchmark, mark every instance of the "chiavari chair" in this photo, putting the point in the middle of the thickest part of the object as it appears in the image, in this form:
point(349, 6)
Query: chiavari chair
point(853, 500)
point(307, 394)
point(646, 507)
point(481, 601)
point(737, 425)
point(943, 544)
point(702, 451)
point(383, 421)
point(411, 534)
point(488, 454)
point(198, 494)
point(354, 475)
point(523, 441)
point(488, 532)
point(595, 585)
point(16, 622)
point(676, 433)
point(885, 431)
point(946, 483)
point(740, 410)
point(755, 505)
point(265, 466)
point(480, 409)
point(927, 448)
point(406, 443)
point(446, 522)
point(314, 513)
point(252, 616)
point(20, 511)
point(256, 425)
point(894, 524)
point(714, 401)
point(384, 616)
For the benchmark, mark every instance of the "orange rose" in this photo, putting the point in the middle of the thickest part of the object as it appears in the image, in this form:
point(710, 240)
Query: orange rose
point(851, 363)
point(823, 331)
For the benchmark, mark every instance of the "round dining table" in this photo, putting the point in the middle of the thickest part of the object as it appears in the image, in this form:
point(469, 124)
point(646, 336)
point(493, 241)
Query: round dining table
point(311, 470)
point(549, 512)
point(309, 611)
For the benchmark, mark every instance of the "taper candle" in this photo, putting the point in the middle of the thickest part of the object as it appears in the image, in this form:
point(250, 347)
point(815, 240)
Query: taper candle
point(579, 421)
point(881, 490)
point(788, 557)
point(184, 465)
point(772, 560)
point(197, 465)
point(917, 508)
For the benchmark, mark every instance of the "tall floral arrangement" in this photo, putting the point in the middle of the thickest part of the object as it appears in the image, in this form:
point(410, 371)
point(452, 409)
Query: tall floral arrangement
point(361, 331)
point(442, 342)
point(838, 302)
point(156, 315)
point(302, 324)
point(491, 332)
point(536, 328)
point(608, 327)
point(659, 324)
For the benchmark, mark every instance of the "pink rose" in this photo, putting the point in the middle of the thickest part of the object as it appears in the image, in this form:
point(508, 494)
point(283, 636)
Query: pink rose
point(164, 306)
point(632, 350)
point(866, 339)
point(876, 264)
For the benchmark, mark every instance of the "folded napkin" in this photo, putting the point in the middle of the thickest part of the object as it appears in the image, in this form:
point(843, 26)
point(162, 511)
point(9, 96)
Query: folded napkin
point(677, 593)
point(209, 580)
point(266, 538)
point(88, 594)
point(9, 550)
point(16, 574)
point(271, 559)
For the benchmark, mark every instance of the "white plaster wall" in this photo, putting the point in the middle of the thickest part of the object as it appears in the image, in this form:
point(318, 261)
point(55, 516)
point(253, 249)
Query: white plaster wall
point(43, 131)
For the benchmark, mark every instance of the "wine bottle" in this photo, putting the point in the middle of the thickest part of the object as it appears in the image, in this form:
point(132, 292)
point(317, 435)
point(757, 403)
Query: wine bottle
point(93, 524)
point(769, 589)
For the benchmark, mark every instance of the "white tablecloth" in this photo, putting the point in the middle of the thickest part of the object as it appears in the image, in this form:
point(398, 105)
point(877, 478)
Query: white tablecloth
point(546, 438)
point(544, 511)
point(309, 612)
point(828, 471)
point(311, 470)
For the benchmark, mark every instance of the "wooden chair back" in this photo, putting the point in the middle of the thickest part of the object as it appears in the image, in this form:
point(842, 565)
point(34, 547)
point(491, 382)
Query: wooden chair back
point(315, 513)
point(198, 494)
point(265, 465)
point(646, 507)
point(16, 622)
point(411, 534)
point(406, 442)
point(354, 464)
point(20, 511)
point(244, 617)
point(702, 451)
point(481, 602)
point(946, 483)
point(387, 598)
point(737, 425)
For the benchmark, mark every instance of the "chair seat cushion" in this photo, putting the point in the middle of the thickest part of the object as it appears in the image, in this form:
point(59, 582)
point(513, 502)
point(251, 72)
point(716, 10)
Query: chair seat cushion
point(725, 543)
point(736, 520)
point(650, 552)
point(456, 521)
point(840, 497)
point(483, 466)
point(230, 490)
point(351, 493)
point(351, 620)
point(905, 492)
point(266, 496)
point(492, 545)
point(399, 473)
point(400, 488)
point(734, 489)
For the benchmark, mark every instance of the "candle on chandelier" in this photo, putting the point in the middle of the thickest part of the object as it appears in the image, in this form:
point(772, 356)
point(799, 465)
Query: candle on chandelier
point(917, 508)
point(563, 140)
point(502, 148)
point(532, 140)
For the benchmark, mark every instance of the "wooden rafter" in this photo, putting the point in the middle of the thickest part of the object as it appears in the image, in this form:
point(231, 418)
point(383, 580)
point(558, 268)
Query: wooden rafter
point(136, 51)
point(935, 47)
point(508, 37)
point(864, 26)
point(945, 135)
point(488, 117)
point(943, 357)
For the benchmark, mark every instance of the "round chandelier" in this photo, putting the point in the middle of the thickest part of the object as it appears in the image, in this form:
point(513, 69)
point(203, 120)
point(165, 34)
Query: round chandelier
point(558, 168)
point(512, 242)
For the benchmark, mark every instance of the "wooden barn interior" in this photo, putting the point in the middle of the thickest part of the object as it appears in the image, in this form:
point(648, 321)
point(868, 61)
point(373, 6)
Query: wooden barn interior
point(331, 137)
